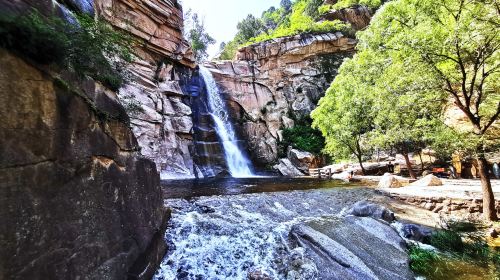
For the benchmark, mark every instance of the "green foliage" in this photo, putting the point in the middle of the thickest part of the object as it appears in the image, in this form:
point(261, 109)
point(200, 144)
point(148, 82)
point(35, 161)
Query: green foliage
point(422, 261)
point(414, 58)
point(198, 36)
point(300, 22)
point(303, 137)
point(89, 48)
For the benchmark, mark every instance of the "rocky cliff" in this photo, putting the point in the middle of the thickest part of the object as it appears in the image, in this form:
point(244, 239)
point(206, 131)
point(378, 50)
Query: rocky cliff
point(78, 200)
point(160, 82)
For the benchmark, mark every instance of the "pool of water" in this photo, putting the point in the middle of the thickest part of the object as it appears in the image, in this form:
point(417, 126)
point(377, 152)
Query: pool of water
point(233, 186)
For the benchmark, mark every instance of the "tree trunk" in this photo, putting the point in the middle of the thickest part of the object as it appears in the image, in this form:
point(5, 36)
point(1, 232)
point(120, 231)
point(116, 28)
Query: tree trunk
point(359, 155)
point(422, 165)
point(408, 165)
point(360, 160)
point(489, 210)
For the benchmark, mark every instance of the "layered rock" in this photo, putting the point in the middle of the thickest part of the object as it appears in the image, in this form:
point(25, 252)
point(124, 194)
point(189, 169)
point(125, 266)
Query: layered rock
point(274, 82)
point(160, 81)
point(77, 200)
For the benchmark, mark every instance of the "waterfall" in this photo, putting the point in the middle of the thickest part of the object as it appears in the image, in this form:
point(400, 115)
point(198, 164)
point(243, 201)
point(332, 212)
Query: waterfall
point(238, 164)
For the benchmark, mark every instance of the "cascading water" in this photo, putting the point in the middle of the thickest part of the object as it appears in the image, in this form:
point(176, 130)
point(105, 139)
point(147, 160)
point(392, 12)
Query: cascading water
point(237, 163)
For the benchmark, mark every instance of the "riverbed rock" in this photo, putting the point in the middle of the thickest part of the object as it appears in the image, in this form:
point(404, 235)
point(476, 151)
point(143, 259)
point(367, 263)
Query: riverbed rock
point(368, 209)
point(389, 181)
point(428, 181)
point(77, 199)
point(354, 248)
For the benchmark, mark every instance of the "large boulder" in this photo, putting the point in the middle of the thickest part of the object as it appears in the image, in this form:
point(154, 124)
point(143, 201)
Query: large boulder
point(389, 181)
point(368, 209)
point(303, 160)
point(354, 248)
point(286, 168)
point(428, 181)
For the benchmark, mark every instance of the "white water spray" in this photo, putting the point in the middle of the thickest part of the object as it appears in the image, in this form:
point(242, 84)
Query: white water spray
point(238, 164)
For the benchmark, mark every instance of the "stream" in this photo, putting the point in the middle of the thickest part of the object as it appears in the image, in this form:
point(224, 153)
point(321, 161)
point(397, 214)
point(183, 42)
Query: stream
point(243, 229)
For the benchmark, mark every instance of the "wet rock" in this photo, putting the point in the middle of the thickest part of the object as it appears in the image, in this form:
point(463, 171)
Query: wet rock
point(416, 232)
point(258, 275)
point(428, 181)
point(368, 209)
point(389, 181)
point(300, 266)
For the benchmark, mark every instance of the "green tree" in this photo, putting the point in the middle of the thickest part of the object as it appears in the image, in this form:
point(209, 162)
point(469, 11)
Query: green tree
point(445, 52)
point(249, 27)
point(197, 36)
point(344, 115)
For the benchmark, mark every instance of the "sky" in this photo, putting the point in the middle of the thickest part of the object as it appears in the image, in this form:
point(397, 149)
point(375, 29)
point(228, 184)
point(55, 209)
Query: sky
point(222, 16)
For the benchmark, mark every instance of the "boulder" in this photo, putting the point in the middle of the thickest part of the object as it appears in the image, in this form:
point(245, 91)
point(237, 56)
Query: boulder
point(428, 181)
point(415, 232)
point(354, 248)
point(303, 160)
point(389, 181)
point(286, 168)
point(367, 209)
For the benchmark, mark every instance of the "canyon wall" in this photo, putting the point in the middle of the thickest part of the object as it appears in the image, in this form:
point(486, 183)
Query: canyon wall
point(160, 81)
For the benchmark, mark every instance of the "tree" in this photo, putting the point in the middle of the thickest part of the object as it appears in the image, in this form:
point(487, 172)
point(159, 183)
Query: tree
point(198, 36)
point(286, 5)
point(249, 27)
point(344, 115)
point(457, 42)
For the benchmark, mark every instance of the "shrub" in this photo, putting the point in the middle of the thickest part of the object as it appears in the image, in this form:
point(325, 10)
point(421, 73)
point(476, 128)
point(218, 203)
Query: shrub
point(422, 261)
point(303, 137)
point(88, 47)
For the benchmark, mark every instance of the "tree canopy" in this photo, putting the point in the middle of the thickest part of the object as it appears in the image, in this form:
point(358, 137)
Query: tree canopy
point(431, 60)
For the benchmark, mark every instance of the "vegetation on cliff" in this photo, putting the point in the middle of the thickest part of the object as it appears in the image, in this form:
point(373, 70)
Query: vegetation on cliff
point(197, 36)
point(418, 61)
point(88, 47)
point(289, 19)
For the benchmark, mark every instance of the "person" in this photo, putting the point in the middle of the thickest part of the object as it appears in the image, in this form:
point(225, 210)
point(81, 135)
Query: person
point(390, 167)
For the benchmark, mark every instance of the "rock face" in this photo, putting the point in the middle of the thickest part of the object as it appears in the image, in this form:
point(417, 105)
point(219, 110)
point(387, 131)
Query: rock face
point(358, 16)
point(160, 81)
point(303, 160)
point(287, 168)
point(77, 200)
point(274, 82)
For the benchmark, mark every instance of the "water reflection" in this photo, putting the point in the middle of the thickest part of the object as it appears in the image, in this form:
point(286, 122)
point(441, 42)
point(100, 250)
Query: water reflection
point(232, 186)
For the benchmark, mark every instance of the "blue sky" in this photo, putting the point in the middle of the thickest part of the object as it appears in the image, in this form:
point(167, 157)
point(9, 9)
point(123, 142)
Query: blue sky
point(222, 16)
